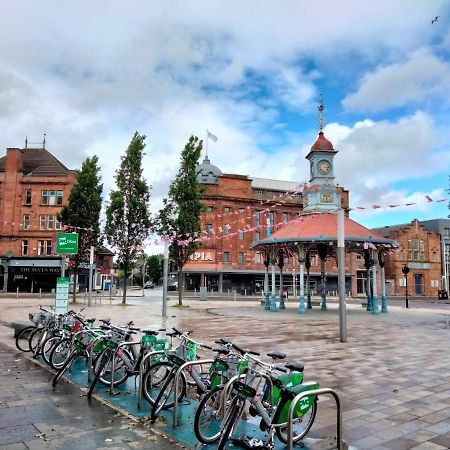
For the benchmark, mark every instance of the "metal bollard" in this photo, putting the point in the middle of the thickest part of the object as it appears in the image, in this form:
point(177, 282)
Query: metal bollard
point(306, 394)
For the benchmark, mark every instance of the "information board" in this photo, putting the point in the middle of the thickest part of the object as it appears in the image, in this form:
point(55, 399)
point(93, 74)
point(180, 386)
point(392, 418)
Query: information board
point(62, 295)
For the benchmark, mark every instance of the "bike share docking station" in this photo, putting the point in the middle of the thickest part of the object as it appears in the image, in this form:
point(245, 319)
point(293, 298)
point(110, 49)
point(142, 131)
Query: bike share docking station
point(177, 423)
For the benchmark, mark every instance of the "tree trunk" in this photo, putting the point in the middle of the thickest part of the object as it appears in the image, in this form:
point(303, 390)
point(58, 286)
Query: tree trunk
point(125, 277)
point(75, 279)
point(180, 288)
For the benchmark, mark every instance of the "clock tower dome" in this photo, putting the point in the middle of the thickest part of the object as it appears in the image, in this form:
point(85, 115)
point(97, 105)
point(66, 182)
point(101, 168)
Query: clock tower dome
point(321, 193)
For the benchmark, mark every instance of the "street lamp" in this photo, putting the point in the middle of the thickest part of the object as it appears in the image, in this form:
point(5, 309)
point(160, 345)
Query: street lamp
point(405, 270)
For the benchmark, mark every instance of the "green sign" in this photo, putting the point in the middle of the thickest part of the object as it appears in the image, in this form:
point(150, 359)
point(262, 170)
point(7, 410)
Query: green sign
point(62, 295)
point(67, 243)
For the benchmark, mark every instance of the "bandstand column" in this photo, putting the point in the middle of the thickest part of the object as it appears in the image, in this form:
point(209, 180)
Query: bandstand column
point(281, 265)
point(308, 287)
point(322, 250)
point(383, 283)
point(273, 298)
point(374, 283)
point(301, 298)
point(266, 282)
point(368, 265)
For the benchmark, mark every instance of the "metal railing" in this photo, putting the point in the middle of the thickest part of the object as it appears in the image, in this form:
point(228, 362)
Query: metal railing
point(316, 392)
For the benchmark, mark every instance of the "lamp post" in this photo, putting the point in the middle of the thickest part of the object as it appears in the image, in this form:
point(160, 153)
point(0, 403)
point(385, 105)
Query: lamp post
point(405, 270)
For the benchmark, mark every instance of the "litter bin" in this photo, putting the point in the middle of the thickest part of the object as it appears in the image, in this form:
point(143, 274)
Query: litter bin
point(107, 284)
point(442, 294)
point(203, 293)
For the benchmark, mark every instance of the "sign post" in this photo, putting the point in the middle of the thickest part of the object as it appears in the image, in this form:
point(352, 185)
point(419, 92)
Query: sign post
point(62, 295)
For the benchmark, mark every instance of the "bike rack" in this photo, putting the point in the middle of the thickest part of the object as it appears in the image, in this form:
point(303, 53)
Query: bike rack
point(317, 392)
point(177, 377)
point(141, 374)
point(91, 354)
point(113, 363)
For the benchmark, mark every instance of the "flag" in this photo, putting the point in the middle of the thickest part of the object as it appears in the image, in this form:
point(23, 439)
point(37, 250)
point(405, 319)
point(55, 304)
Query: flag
point(429, 199)
point(211, 136)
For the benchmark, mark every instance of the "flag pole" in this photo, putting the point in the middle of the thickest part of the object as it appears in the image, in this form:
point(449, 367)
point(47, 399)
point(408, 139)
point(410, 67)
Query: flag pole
point(206, 143)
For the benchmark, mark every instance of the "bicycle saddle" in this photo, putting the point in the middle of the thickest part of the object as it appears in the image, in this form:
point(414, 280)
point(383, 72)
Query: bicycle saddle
point(276, 355)
point(295, 365)
point(150, 332)
point(222, 350)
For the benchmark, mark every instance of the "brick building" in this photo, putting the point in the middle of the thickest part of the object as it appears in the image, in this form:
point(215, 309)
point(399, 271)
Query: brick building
point(34, 186)
point(421, 252)
point(236, 206)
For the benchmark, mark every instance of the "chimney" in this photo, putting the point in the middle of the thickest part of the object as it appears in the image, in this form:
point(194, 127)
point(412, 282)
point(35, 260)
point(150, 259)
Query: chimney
point(14, 160)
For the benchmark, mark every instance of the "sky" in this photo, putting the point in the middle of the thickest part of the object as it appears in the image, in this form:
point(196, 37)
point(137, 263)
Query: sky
point(91, 73)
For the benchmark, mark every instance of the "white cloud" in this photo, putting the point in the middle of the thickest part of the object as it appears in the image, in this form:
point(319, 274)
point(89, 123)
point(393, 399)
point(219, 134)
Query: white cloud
point(423, 76)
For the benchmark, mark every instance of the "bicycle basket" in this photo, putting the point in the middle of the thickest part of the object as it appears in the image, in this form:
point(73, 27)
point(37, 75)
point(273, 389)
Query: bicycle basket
point(236, 365)
point(33, 318)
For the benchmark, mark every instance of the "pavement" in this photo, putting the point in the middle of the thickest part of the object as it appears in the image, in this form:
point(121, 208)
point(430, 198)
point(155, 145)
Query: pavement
point(392, 375)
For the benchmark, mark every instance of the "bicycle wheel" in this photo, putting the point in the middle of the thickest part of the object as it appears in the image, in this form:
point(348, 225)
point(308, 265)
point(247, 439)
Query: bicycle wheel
point(208, 417)
point(166, 396)
point(22, 338)
point(230, 420)
point(60, 352)
point(48, 347)
point(153, 380)
point(121, 372)
point(101, 362)
point(34, 338)
point(67, 363)
point(300, 427)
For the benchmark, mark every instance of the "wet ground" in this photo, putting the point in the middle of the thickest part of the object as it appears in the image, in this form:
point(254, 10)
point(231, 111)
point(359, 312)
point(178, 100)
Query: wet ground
point(393, 374)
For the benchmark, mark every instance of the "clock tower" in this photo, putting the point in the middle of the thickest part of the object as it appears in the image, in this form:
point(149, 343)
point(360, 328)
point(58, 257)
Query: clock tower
point(321, 193)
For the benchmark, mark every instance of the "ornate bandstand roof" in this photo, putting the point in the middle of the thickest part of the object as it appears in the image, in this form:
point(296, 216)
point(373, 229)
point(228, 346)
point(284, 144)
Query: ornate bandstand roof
point(322, 227)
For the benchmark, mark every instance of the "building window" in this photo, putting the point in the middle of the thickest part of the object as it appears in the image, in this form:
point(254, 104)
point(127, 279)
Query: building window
point(257, 236)
point(25, 248)
point(402, 282)
point(433, 256)
point(257, 222)
point(258, 258)
point(226, 229)
point(227, 210)
point(42, 222)
point(41, 248)
point(51, 198)
point(209, 228)
point(313, 261)
point(286, 261)
point(446, 233)
point(48, 247)
point(57, 223)
point(241, 258)
point(241, 210)
point(270, 218)
point(285, 217)
point(50, 222)
point(416, 250)
point(358, 256)
point(209, 208)
point(59, 198)
point(26, 222)
point(241, 235)
point(44, 197)
point(226, 257)
point(45, 248)
point(434, 283)
point(28, 197)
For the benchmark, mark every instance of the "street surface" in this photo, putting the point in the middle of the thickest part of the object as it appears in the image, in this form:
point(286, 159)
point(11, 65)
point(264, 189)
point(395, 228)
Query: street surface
point(393, 374)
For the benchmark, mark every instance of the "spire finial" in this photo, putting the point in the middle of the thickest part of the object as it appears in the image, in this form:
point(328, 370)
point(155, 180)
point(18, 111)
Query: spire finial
point(26, 142)
point(43, 143)
point(320, 108)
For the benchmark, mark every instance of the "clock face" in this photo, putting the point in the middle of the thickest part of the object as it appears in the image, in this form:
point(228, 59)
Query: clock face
point(324, 167)
point(326, 198)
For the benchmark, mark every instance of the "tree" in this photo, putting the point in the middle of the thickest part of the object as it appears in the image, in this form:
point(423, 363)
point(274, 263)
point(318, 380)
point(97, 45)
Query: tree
point(128, 213)
point(180, 216)
point(82, 213)
point(154, 271)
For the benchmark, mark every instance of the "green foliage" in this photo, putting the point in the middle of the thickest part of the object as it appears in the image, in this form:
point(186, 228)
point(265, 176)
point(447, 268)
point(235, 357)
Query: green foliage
point(154, 271)
point(128, 214)
point(82, 212)
point(180, 215)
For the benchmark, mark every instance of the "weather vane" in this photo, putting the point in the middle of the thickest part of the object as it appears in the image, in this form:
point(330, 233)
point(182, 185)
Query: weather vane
point(320, 108)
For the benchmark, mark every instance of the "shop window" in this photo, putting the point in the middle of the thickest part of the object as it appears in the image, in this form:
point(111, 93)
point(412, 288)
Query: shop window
point(26, 222)
point(25, 248)
point(28, 197)
point(226, 257)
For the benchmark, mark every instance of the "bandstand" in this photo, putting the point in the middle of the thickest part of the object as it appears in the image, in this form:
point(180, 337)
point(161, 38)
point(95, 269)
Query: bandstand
point(315, 233)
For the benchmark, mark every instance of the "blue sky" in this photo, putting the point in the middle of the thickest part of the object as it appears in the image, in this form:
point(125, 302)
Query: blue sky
point(90, 73)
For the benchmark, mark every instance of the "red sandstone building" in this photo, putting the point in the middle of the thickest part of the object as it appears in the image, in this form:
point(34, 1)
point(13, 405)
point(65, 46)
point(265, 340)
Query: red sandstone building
point(421, 252)
point(34, 186)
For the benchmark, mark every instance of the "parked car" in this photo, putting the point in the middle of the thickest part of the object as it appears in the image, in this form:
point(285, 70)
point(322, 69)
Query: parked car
point(149, 285)
point(173, 286)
